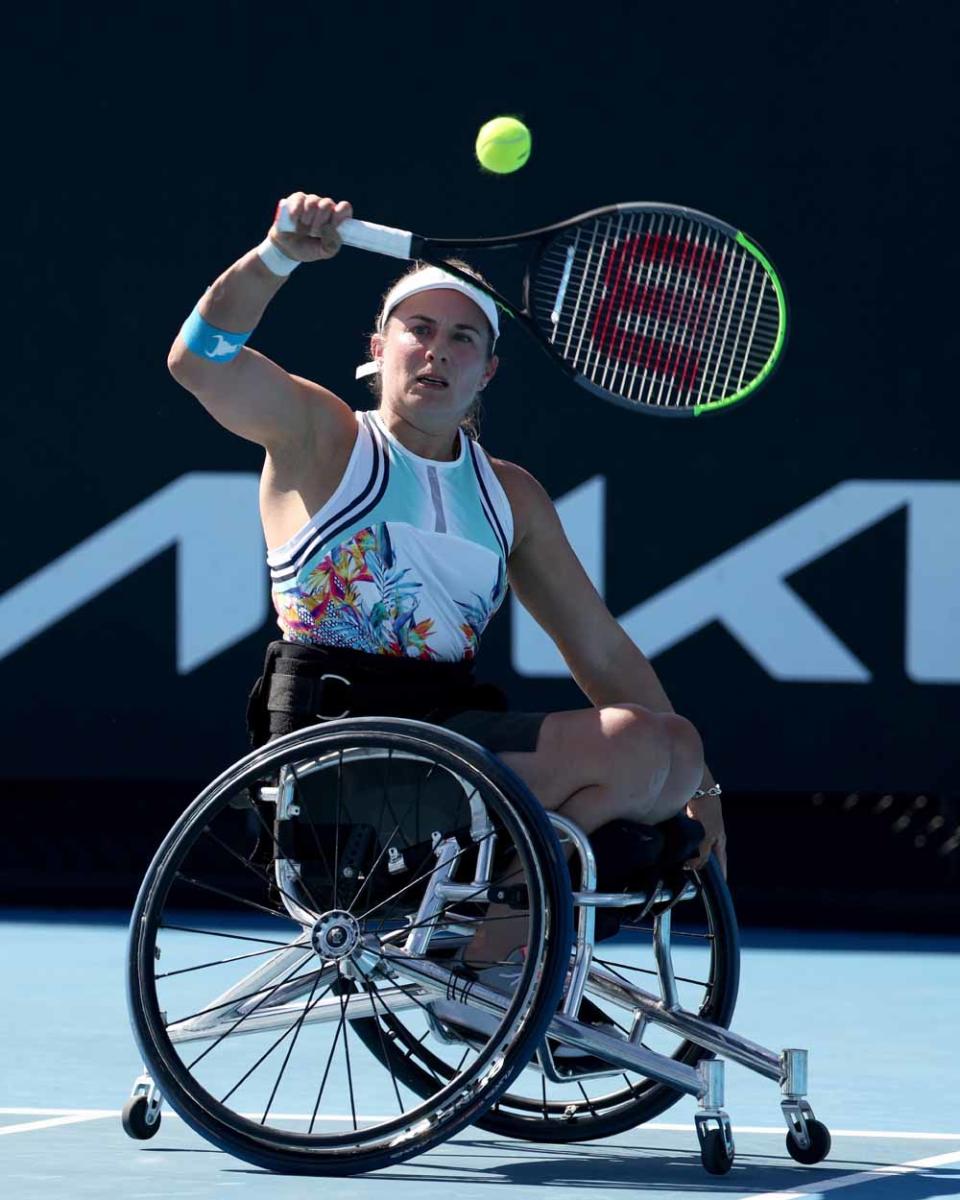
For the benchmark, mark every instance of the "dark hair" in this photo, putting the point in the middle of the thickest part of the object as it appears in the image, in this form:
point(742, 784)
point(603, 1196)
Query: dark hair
point(471, 418)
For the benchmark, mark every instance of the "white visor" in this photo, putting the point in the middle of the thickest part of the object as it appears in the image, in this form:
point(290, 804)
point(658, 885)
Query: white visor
point(428, 280)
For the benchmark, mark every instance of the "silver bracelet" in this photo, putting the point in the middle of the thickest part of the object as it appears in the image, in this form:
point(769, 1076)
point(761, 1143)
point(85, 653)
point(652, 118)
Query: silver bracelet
point(716, 790)
point(274, 259)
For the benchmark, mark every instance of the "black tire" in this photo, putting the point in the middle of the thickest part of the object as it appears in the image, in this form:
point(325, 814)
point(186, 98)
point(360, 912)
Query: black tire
point(575, 1116)
point(134, 1119)
point(714, 1155)
point(819, 1148)
point(214, 837)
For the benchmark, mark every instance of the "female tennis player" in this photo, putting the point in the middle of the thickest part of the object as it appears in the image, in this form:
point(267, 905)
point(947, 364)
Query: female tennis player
point(392, 538)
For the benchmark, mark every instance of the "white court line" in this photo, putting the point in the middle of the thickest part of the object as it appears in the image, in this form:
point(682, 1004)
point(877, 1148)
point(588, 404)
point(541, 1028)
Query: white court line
point(912, 1135)
point(894, 1134)
point(842, 1181)
point(74, 1118)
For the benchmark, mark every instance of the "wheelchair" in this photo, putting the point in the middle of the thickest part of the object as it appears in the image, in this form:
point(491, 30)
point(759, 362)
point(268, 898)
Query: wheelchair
point(303, 990)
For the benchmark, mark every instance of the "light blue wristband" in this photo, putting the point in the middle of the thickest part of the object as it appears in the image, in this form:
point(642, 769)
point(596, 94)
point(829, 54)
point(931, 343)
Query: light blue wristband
point(204, 339)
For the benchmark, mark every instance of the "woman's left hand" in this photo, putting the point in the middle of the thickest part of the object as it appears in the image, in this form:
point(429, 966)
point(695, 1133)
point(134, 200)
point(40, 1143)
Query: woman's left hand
point(707, 810)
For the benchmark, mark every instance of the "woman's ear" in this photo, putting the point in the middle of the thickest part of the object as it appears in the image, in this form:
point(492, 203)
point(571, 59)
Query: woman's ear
point(376, 347)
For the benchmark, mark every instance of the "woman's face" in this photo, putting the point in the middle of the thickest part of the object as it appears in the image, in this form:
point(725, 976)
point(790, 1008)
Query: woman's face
point(433, 357)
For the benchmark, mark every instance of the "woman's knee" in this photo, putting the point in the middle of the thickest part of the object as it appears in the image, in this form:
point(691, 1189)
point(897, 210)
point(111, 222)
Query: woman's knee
point(663, 742)
point(622, 746)
point(686, 744)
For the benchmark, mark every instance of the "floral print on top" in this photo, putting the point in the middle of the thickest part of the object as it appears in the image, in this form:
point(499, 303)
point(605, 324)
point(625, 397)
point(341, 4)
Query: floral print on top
point(358, 596)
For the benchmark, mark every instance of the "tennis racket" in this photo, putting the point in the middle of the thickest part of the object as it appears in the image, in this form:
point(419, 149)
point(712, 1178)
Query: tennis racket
point(655, 307)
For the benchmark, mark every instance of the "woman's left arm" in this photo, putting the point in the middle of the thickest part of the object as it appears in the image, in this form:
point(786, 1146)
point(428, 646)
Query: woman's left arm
point(550, 582)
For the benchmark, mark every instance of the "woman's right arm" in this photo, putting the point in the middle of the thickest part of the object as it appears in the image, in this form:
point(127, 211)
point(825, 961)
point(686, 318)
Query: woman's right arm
point(250, 395)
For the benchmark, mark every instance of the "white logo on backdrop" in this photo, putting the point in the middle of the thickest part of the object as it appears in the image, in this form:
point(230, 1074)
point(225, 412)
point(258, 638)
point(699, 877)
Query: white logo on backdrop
point(222, 592)
point(211, 518)
point(746, 589)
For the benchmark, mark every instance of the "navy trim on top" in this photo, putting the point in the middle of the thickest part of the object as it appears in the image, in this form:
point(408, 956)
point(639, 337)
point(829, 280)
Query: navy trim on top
point(346, 516)
point(487, 504)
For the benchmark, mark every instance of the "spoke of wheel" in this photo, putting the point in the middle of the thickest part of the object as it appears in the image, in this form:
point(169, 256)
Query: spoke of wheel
point(426, 875)
point(296, 866)
point(217, 933)
point(616, 1024)
point(421, 1040)
point(590, 1103)
point(344, 1003)
point(220, 962)
point(336, 835)
point(323, 1082)
point(543, 1088)
point(385, 790)
point(298, 792)
point(474, 962)
point(387, 806)
point(606, 962)
point(313, 826)
point(387, 1054)
point(209, 887)
point(409, 994)
point(283, 1036)
point(260, 872)
point(389, 841)
point(286, 1058)
point(704, 937)
point(421, 784)
point(240, 1020)
point(704, 983)
point(236, 1000)
point(379, 859)
point(419, 1005)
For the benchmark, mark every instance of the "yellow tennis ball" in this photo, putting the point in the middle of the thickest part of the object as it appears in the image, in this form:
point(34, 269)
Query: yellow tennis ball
point(503, 145)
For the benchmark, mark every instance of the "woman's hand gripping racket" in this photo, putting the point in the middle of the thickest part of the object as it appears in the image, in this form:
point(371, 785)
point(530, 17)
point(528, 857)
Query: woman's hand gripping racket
point(658, 308)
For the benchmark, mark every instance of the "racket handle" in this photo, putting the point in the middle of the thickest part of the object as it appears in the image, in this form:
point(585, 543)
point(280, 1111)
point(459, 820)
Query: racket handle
point(363, 235)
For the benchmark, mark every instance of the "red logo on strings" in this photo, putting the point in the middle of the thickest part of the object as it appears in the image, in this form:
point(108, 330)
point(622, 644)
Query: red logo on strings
point(653, 282)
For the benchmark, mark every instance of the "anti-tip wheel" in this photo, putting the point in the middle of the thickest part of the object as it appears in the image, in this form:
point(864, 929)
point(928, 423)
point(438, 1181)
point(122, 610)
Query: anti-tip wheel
point(819, 1146)
point(716, 1158)
point(134, 1119)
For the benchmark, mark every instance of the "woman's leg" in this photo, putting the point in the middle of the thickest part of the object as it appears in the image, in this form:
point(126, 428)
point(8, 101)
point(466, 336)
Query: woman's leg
point(594, 766)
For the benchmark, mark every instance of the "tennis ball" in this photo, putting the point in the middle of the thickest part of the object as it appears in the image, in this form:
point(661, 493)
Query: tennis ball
point(503, 145)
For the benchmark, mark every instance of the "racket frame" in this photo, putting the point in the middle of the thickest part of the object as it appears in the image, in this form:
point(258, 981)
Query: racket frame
point(404, 244)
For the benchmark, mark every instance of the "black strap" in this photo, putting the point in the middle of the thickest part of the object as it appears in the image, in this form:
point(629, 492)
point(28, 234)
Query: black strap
point(302, 685)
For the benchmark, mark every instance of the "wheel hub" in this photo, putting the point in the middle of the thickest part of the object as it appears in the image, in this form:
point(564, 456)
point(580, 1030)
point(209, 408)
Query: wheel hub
point(335, 934)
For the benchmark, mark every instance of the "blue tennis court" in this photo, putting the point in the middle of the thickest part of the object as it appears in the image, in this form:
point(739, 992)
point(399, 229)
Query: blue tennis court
point(877, 1012)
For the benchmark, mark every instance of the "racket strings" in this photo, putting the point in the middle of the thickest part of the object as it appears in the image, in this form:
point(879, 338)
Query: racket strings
point(676, 365)
point(659, 342)
point(658, 308)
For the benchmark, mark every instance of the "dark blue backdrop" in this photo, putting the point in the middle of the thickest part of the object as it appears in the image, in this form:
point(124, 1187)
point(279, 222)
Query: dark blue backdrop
point(145, 150)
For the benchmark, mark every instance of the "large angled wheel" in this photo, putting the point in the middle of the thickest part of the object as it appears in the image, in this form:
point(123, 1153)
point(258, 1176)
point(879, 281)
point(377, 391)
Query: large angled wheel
point(324, 880)
point(704, 952)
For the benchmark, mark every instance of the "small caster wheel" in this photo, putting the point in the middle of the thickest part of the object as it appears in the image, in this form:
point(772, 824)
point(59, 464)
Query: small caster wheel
point(819, 1146)
point(716, 1158)
point(135, 1119)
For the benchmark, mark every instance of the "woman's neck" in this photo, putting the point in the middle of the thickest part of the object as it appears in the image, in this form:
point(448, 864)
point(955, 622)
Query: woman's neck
point(442, 445)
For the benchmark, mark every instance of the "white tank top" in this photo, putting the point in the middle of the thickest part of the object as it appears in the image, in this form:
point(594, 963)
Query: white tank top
point(407, 557)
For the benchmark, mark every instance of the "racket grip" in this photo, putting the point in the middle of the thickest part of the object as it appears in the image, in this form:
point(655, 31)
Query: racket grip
point(362, 235)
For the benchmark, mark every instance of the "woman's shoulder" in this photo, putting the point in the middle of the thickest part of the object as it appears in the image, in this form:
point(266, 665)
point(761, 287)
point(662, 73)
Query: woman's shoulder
point(528, 497)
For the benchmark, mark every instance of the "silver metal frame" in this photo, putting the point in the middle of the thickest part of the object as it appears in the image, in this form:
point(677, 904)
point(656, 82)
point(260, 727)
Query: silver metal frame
point(396, 962)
